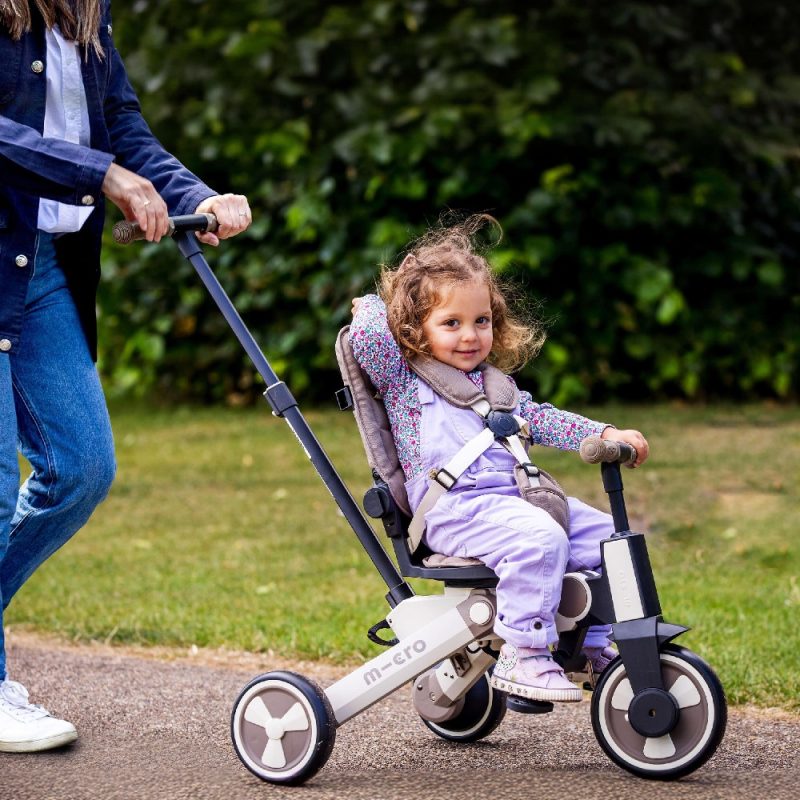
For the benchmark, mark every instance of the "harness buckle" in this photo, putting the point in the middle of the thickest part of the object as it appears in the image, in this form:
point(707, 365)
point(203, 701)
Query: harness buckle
point(502, 424)
point(443, 478)
point(531, 470)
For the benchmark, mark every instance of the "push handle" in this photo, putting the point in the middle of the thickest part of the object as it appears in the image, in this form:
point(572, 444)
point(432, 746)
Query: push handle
point(595, 450)
point(127, 232)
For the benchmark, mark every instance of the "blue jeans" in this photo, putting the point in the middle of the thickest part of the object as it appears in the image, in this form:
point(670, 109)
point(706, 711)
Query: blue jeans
point(52, 410)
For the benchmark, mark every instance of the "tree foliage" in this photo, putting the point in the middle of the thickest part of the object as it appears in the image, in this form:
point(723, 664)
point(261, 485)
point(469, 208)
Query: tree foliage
point(642, 159)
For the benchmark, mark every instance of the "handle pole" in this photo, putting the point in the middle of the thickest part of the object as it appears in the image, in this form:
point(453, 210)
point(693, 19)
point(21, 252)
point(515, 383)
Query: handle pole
point(284, 405)
point(192, 252)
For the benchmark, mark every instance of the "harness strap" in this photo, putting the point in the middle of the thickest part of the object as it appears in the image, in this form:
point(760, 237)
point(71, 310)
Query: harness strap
point(443, 479)
point(514, 446)
point(481, 407)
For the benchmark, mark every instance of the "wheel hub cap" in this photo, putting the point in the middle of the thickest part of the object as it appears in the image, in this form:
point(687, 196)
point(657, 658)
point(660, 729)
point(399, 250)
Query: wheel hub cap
point(653, 712)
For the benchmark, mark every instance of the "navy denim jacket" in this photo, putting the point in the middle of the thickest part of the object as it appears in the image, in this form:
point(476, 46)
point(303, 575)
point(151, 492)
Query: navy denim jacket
point(32, 167)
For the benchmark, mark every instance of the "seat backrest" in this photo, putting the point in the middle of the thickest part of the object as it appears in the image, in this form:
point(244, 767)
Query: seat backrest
point(376, 434)
point(373, 424)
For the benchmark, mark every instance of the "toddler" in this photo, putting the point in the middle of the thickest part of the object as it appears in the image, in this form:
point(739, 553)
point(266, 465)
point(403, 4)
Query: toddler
point(444, 302)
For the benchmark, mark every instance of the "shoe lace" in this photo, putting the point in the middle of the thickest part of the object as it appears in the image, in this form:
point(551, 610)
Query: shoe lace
point(16, 696)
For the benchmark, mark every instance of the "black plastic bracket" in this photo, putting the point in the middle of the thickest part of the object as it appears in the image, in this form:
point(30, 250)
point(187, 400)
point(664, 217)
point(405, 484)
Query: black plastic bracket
point(378, 504)
point(568, 652)
point(372, 634)
point(344, 399)
point(280, 397)
point(638, 644)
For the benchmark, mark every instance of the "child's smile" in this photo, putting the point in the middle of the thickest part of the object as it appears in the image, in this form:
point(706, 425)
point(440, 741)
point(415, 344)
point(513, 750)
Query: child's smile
point(459, 329)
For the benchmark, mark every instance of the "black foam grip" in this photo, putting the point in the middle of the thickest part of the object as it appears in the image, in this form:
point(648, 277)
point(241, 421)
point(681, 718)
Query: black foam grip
point(126, 232)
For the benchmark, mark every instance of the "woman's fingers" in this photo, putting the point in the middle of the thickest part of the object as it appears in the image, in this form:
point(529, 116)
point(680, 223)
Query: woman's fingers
point(138, 200)
point(232, 212)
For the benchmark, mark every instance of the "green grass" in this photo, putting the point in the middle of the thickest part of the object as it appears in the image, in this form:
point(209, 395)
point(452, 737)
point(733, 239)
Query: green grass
point(219, 533)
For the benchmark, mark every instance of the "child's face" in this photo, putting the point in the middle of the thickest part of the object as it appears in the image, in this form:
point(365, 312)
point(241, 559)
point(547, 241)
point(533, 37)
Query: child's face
point(459, 329)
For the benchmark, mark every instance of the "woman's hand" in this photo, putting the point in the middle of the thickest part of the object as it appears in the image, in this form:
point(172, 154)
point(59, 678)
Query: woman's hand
point(138, 200)
point(631, 437)
point(233, 215)
point(355, 304)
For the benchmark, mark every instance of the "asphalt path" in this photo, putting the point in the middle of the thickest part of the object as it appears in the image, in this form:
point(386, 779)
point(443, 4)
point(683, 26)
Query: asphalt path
point(153, 725)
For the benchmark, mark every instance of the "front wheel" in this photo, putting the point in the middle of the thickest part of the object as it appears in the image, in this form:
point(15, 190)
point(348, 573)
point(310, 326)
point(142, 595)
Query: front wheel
point(702, 715)
point(283, 727)
point(483, 710)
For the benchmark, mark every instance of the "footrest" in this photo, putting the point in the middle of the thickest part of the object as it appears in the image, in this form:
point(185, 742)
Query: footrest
point(524, 706)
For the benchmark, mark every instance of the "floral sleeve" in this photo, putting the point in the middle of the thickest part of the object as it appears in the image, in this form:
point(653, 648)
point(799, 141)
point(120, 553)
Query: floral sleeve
point(374, 346)
point(552, 427)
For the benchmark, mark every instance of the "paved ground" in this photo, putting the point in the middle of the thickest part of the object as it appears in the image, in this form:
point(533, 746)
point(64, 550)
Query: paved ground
point(152, 728)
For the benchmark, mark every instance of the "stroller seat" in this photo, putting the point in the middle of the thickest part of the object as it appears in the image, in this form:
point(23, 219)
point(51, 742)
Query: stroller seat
point(387, 499)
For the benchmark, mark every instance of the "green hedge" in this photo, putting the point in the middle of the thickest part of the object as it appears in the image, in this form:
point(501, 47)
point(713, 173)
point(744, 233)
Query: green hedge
point(642, 159)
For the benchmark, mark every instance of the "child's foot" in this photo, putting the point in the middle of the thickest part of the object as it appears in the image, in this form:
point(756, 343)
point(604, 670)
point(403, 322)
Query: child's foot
point(533, 673)
point(597, 660)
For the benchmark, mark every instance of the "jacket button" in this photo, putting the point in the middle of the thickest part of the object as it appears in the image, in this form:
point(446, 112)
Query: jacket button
point(5, 345)
point(87, 200)
point(110, 30)
point(37, 66)
point(21, 261)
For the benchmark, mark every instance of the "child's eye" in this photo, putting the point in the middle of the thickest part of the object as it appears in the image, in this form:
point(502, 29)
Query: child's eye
point(483, 321)
point(451, 323)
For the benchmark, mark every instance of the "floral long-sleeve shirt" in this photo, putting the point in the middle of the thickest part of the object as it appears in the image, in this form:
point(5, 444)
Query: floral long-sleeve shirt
point(380, 357)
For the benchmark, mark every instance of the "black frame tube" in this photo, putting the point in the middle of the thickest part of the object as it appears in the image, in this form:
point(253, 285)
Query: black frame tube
point(285, 406)
point(612, 483)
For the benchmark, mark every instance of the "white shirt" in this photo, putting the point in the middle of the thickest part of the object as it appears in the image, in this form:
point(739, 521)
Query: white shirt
point(66, 116)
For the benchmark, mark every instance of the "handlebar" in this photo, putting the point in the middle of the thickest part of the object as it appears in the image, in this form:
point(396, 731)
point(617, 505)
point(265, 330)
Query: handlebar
point(127, 232)
point(595, 450)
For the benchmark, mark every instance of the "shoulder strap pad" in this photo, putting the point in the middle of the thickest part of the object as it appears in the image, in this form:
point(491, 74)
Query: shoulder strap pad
point(501, 392)
point(458, 389)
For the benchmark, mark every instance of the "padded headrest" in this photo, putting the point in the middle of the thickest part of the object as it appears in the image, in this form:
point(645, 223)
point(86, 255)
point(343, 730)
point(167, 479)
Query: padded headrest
point(373, 424)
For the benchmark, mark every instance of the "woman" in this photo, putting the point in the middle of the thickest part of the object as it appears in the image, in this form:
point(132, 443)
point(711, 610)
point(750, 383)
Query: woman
point(71, 133)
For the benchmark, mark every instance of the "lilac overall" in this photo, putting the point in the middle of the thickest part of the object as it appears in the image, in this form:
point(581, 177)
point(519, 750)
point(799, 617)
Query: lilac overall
point(484, 517)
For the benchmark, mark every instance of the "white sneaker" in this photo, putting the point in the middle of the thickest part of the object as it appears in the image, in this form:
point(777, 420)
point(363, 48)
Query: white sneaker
point(27, 728)
point(533, 673)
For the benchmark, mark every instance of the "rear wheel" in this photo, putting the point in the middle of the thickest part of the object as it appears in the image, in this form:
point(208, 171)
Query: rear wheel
point(283, 727)
point(483, 710)
point(702, 716)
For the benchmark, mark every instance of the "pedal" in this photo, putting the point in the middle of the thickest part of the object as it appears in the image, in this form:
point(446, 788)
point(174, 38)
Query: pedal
point(522, 705)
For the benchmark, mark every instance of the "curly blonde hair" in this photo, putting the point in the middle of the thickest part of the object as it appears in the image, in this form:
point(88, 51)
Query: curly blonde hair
point(446, 256)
